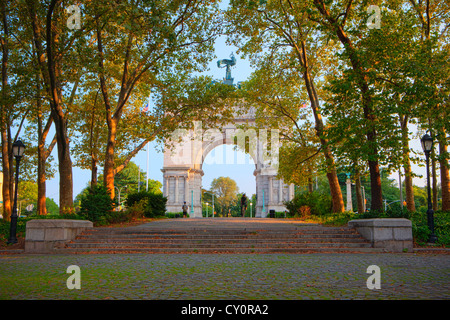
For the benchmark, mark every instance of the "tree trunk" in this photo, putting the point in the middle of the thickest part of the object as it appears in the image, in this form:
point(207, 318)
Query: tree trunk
point(59, 117)
point(310, 185)
point(65, 168)
point(4, 122)
point(375, 185)
point(410, 204)
point(41, 203)
point(7, 178)
point(434, 179)
point(94, 159)
point(433, 170)
point(49, 63)
point(359, 196)
point(93, 172)
point(335, 189)
point(361, 74)
point(108, 171)
point(445, 177)
point(41, 200)
point(43, 153)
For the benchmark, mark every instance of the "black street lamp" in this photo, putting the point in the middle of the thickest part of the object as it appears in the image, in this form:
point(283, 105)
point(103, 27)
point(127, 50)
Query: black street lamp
point(427, 145)
point(18, 149)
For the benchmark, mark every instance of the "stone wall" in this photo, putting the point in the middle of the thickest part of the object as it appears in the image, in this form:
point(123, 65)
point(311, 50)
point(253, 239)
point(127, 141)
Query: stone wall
point(42, 236)
point(395, 235)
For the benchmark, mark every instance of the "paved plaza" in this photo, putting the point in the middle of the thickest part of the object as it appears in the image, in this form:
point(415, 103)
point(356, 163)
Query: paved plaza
point(227, 276)
point(315, 276)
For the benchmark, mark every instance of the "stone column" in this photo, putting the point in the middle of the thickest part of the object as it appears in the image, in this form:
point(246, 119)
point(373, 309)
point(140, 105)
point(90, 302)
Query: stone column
point(165, 186)
point(280, 192)
point(291, 191)
point(270, 190)
point(176, 190)
point(186, 188)
point(349, 206)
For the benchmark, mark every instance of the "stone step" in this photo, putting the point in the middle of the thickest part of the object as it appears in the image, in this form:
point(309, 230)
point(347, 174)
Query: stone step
point(283, 237)
point(218, 250)
point(217, 245)
point(300, 231)
point(221, 240)
point(309, 238)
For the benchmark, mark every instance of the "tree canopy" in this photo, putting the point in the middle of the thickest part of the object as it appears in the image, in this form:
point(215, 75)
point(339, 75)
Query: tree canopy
point(349, 84)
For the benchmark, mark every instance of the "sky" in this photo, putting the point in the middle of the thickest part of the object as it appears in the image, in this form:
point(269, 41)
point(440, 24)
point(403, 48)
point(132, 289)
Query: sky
point(241, 173)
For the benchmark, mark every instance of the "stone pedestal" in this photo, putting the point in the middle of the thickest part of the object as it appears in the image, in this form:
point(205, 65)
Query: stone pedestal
point(42, 236)
point(393, 234)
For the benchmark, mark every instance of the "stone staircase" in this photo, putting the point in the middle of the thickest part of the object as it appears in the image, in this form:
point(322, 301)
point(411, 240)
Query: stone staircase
point(301, 239)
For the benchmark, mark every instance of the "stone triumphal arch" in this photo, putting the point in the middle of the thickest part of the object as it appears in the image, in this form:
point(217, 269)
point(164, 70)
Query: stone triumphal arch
point(185, 152)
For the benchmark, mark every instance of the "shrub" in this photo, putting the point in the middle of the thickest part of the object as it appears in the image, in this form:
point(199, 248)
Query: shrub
point(421, 231)
point(155, 206)
point(137, 210)
point(96, 205)
point(319, 204)
point(172, 215)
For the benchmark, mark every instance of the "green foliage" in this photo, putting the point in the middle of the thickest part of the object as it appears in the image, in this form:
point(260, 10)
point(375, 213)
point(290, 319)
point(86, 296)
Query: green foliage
point(391, 212)
point(52, 207)
point(421, 231)
point(152, 204)
point(96, 205)
point(137, 210)
point(335, 219)
point(319, 203)
point(172, 215)
point(5, 228)
point(279, 215)
point(226, 191)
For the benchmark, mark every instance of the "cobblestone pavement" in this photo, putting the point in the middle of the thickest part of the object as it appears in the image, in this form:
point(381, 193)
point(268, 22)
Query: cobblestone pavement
point(220, 277)
point(228, 276)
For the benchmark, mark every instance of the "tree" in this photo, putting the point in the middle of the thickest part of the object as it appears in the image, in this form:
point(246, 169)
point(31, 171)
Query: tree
point(333, 18)
point(130, 177)
point(154, 38)
point(433, 73)
point(225, 190)
point(89, 130)
point(5, 118)
point(282, 42)
point(15, 93)
point(53, 43)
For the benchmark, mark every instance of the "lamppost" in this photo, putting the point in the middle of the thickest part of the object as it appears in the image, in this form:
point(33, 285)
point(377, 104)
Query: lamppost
point(427, 145)
point(206, 209)
point(18, 148)
point(251, 209)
